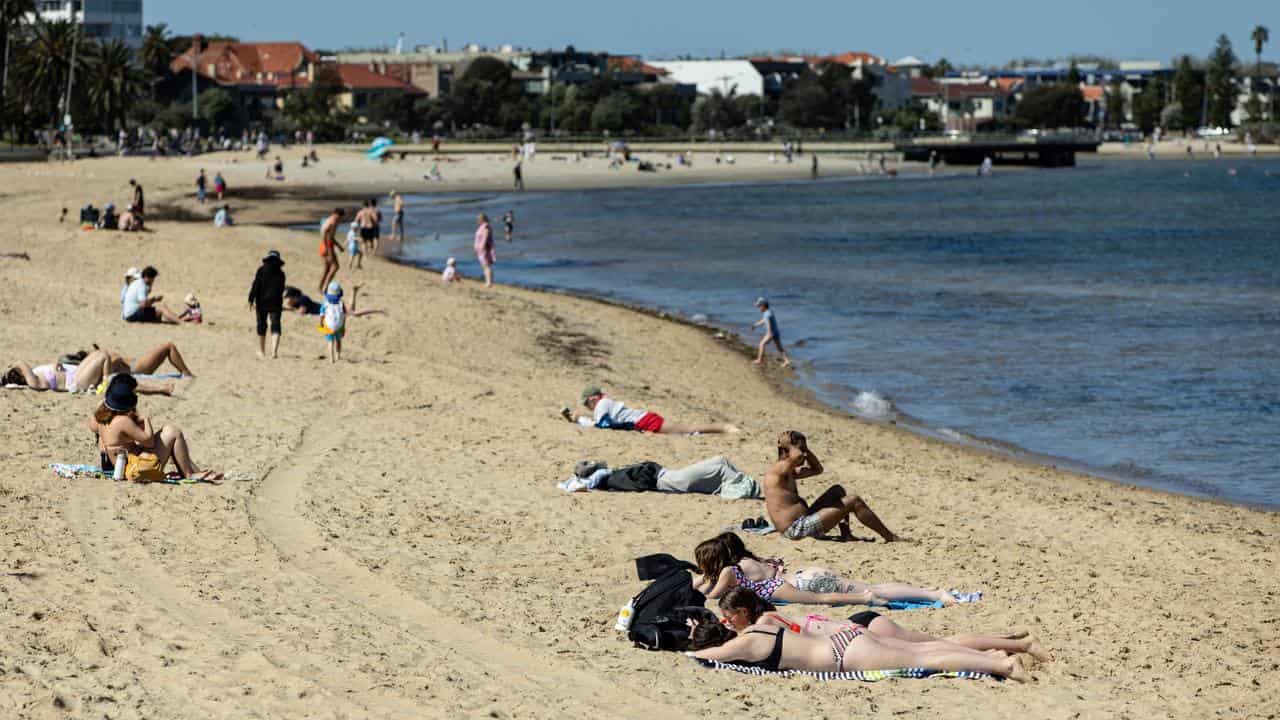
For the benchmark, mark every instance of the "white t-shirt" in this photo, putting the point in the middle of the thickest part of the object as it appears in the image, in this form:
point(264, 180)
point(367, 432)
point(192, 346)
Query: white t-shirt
point(617, 413)
point(135, 296)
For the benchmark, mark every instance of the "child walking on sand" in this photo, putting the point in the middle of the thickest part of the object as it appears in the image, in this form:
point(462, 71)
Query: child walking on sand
point(771, 332)
point(333, 320)
point(354, 249)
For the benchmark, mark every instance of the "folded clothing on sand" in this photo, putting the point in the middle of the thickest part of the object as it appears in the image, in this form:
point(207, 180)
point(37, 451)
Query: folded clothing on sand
point(862, 675)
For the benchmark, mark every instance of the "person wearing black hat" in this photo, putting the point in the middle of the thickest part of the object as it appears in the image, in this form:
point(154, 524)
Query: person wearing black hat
point(121, 430)
point(266, 297)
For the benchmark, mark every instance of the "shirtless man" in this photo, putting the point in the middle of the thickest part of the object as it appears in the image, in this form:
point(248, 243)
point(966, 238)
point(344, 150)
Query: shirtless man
point(365, 221)
point(327, 250)
point(792, 516)
point(397, 220)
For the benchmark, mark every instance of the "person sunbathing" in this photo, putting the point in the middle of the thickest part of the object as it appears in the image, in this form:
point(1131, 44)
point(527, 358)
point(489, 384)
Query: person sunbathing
point(713, 476)
point(120, 429)
point(795, 518)
point(773, 648)
point(96, 367)
point(610, 414)
point(742, 608)
point(724, 563)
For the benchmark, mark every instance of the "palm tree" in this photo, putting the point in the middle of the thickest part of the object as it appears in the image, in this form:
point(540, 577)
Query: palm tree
point(155, 54)
point(1261, 36)
point(114, 81)
point(46, 62)
point(13, 13)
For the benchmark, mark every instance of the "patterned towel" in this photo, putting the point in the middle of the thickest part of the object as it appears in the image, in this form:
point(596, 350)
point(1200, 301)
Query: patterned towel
point(863, 675)
point(71, 471)
point(893, 604)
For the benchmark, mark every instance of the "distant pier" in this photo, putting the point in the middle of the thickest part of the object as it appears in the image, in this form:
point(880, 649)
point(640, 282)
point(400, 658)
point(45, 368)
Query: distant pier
point(1039, 151)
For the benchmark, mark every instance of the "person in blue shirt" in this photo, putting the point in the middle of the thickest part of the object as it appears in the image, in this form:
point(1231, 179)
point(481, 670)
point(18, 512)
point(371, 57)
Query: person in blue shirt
point(771, 332)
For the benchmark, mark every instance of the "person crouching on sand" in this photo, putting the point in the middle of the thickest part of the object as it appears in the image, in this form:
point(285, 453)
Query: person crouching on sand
point(795, 518)
point(450, 274)
point(610, 414)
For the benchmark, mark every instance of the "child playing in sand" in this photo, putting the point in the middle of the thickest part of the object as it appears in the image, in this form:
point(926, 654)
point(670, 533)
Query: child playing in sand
point(450, 274)
point(771, 332)
point(333, 320)
point(192, 313)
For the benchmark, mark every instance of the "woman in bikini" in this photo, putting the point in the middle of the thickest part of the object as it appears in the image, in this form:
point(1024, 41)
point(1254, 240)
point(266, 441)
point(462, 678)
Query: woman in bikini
point(95, 367)
point(774, 648)
point(742, 608)
point(120, 428)
point(725, 563)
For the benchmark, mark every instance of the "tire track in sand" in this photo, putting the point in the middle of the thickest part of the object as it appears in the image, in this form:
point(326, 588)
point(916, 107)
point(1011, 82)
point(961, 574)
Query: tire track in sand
point(535, 680)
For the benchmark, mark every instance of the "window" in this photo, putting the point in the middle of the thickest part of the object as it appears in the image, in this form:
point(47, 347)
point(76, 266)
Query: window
point(131, 7)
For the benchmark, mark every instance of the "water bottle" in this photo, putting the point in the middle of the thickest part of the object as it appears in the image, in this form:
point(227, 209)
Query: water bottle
point(122, 459)
point(625, 616)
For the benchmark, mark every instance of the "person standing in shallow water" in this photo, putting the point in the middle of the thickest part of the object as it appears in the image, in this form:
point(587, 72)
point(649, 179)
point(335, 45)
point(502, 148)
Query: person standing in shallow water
point(484, 248)
point(509, 224)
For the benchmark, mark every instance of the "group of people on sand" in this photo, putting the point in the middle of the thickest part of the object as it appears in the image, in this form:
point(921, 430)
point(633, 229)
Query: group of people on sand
point(751, 632)
point(139, 305)
point(125, 438)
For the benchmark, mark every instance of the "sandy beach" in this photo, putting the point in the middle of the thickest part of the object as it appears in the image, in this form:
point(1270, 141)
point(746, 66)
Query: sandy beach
point(392, 543)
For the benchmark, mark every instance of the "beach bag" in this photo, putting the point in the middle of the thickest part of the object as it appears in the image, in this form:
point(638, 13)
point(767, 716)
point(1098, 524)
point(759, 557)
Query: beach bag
point(335, 316)
point(143, 468)
point(659, 614)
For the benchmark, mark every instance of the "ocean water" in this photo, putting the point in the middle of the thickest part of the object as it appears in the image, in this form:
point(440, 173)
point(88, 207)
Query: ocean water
point(1122, 317)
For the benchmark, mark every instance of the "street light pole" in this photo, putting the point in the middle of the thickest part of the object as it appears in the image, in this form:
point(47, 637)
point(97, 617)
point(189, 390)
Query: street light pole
point(71, 77)
point(195, 87)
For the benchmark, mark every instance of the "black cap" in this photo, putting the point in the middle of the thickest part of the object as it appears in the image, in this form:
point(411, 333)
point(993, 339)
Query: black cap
point(273, 256)
point(120, 395)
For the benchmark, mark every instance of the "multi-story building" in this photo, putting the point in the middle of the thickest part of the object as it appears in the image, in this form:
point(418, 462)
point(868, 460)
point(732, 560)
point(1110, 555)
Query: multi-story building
point(102, 20)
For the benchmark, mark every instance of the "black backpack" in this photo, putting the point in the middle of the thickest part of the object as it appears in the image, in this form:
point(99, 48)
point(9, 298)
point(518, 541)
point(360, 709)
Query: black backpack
point(660, 612)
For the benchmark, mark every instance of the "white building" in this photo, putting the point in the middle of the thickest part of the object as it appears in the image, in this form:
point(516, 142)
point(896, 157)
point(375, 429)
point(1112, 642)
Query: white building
point(722, 75)
point(101, 19)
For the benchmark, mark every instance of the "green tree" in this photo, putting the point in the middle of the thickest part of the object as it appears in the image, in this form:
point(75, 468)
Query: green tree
point(1188, 93)
point(313, 107)
point(806, 103)
point(46, 63)
point(1253, 109)
point(113, 82)
point(155, 55)
point(1052, 105)
point(614, 113)
point(217, 107)
point(1220, 83)
point(1115, 107)
point(13, 14)
point(1260, 36)
point(1148, 105)
point(1073, 74)
point(717, 111)
point(938, 69)
point(478, 96)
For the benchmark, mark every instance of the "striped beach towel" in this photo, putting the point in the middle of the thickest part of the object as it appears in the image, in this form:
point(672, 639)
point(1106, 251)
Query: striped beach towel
point(861, 675)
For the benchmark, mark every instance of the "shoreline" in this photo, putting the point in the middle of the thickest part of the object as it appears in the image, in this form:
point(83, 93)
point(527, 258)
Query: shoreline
point(789, 387)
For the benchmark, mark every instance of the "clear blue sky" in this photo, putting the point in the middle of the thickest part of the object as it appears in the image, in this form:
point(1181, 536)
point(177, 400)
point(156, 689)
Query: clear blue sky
point(990, 31)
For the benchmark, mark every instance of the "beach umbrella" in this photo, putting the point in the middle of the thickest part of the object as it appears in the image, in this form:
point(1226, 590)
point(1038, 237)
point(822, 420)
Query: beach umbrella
point(379, 148)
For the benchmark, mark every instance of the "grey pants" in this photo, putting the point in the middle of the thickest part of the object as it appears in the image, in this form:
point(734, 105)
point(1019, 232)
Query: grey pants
point(710, 477)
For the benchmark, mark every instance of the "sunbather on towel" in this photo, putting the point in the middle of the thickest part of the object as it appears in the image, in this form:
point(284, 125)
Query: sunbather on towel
point(610, 414)
point(795, 518)
point(742, 608)
point(713, 476)
point(773, 648)
point(89, 371)
point(725, 563)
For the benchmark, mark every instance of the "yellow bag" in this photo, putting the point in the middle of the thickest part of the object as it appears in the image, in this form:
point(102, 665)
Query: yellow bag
point(143, 467)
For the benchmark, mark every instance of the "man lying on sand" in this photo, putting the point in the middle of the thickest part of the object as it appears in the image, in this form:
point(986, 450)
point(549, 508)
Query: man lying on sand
point(797, 519)
point(610, 414)
point(713, 476)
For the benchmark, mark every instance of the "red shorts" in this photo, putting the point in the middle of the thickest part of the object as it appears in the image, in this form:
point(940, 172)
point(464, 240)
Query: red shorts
point(650, 423)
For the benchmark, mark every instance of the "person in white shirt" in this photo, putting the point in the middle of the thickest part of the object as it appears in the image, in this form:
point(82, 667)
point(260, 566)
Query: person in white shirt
point(610, 414)
point(139, 305)
point(450, 274)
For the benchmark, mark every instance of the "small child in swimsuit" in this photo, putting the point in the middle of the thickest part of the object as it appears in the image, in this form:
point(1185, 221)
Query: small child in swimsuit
point(450, 274)
point(192, 313)
point(353, 247)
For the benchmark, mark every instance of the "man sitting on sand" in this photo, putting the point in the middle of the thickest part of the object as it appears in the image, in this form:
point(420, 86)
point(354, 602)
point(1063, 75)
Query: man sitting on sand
point(139, 305)
point(610, 414)
point(796, 519)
